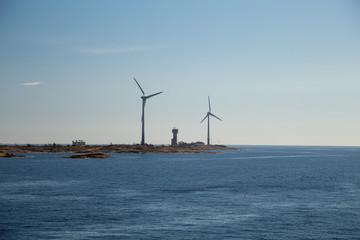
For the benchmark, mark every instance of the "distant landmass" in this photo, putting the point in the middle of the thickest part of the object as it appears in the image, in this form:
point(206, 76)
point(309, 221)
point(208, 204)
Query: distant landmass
point(8, 150)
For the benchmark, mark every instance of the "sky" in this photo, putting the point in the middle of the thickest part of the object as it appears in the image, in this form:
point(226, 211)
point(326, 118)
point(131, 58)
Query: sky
point(277, 72)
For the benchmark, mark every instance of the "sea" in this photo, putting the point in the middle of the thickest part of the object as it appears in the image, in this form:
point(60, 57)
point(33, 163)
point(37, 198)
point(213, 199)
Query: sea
point(262, 192)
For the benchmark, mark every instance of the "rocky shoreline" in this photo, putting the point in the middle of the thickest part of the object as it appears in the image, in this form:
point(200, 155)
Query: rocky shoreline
point(118, 148)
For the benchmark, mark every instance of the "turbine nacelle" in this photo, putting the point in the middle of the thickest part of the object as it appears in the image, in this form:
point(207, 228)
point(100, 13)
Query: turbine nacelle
point(144, 96)
point(208, 114)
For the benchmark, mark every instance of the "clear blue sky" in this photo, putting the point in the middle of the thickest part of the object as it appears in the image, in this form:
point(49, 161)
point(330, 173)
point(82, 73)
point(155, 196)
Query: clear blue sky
point(277, 72)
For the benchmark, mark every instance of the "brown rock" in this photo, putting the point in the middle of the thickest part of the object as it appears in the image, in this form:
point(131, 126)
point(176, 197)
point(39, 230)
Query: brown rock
point(7, 154)
point(90, 155)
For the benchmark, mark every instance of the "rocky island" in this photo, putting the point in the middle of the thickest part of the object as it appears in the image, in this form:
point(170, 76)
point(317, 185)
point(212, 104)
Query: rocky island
point(8, 154)
point(116, 148)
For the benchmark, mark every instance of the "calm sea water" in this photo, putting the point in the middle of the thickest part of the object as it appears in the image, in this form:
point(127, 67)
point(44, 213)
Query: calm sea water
point(265, 192)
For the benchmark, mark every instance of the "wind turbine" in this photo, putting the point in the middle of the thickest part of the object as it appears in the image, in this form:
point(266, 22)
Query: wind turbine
point(144, 97)
point(208, 117)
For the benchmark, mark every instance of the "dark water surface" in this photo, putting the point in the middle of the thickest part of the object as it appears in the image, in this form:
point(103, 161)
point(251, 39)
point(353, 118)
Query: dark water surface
point(265, 192)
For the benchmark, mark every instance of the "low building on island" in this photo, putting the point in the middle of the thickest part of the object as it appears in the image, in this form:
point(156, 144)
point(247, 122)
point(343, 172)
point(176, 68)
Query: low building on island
point(78, 143)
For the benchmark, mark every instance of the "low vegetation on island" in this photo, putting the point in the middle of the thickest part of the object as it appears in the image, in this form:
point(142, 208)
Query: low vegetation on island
point(8, 150)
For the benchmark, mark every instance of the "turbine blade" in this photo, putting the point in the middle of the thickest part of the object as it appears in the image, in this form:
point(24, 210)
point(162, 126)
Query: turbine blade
point(139, 87)
point(209, 104)
point(215, 116)
point(207, 115)
point(153, 95)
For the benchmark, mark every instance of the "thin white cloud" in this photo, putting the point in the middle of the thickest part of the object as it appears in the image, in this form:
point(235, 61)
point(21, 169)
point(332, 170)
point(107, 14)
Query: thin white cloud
point(105, 51)
point(31, 84)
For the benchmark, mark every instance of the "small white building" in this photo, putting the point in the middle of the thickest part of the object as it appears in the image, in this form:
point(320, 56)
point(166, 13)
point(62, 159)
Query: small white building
point(78, 143)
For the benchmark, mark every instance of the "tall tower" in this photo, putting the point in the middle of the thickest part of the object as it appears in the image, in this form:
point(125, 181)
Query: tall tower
point(174, 139)
point(144, 97)
point(208, 115)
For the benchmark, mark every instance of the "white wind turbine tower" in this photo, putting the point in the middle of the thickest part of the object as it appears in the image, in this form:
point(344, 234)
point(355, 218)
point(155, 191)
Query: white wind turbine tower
point(208, 117)
point(144, 97)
